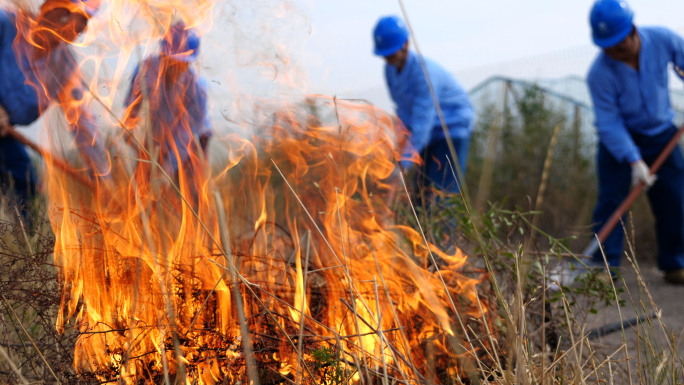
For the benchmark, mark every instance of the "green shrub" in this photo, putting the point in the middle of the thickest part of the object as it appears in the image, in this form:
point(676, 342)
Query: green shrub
point(511, 144)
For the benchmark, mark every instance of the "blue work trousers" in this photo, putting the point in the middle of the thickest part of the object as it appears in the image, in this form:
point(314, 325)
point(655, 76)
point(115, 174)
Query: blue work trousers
point(436, 169)
point(666, 198)
point(16, 171)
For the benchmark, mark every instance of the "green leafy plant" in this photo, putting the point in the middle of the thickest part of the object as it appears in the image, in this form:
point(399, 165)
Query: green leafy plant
point(328, 365)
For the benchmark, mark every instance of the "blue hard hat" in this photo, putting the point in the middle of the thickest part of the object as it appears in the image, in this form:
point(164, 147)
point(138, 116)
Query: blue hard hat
point(389, 35)
point(181, 43)
point(611, 22)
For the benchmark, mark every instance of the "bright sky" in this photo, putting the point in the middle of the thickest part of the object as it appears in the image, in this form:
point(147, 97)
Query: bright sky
point(460, 35)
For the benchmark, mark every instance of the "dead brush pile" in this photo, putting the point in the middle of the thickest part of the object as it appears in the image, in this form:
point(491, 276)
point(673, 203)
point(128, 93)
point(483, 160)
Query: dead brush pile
point(31, 349)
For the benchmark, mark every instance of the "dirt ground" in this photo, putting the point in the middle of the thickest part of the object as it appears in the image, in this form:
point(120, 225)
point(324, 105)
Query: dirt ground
point(651, 339)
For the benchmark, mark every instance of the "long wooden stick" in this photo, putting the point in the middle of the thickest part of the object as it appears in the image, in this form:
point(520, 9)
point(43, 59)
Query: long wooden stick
point(60, 164)
point(620, 211)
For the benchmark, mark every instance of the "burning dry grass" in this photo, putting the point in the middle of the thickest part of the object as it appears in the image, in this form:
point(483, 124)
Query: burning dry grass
point(32, 351)
point(282, 264)
point(291, 250)
point(288, 265)
point(267, 279)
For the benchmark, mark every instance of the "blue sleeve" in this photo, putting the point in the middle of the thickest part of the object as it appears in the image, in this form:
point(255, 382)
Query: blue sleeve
point(205, 129)
point(676, 48)
point(611, 130)
point(423, 111)
point(19, 99)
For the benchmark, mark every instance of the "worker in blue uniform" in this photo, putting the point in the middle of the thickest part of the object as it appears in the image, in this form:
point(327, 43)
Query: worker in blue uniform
point(413, 97)
point(51, 68)
point(177, 101)
point(628, 82)
point(18, 106)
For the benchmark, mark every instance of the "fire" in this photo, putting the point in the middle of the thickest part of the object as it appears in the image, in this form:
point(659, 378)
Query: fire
point(221, 272)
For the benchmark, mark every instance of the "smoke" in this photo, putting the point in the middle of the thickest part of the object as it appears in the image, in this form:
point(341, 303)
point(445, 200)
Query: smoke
point(254, 56)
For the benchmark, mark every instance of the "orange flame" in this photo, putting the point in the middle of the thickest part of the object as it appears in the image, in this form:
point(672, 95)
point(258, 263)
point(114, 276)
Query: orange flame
point(287, 247)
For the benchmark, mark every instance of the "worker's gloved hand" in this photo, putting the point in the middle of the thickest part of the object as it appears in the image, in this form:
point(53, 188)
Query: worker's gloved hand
point(641, 173)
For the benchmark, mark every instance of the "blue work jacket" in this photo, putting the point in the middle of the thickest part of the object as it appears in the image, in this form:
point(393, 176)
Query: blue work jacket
point(56, 74)
point(178, 110)
point(628, 101)
point(414, 103)
point(17, 98)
